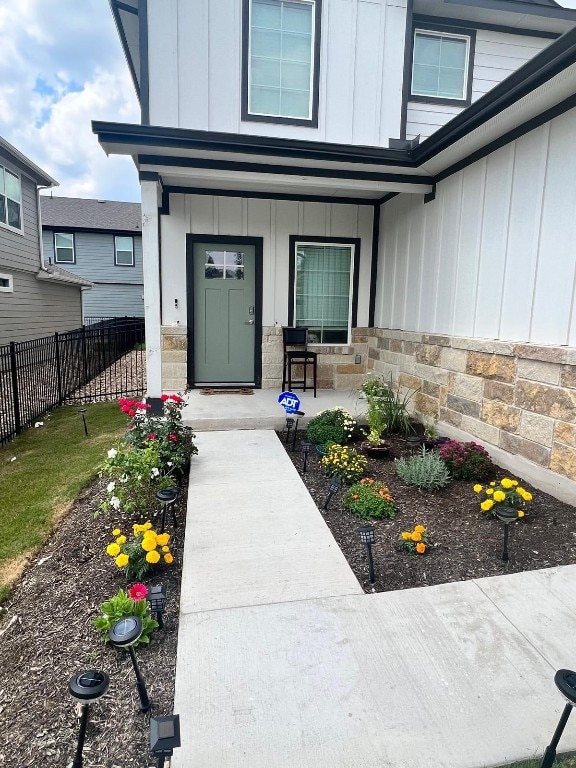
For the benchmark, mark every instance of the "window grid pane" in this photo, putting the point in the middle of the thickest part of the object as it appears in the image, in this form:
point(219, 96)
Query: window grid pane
point(124, 251)
point(439, 66)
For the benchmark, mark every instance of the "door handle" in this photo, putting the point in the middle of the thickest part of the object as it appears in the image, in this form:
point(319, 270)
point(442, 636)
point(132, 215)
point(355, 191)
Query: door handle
point(249, 322)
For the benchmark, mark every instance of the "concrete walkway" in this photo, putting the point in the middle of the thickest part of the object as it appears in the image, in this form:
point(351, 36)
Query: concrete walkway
point(283, 662)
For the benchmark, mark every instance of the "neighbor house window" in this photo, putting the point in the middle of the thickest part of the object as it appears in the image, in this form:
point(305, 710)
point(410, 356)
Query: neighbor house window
point(281, 59)
point(323, 288)
point(6, 284)
point(440, 65)
point(64, 248)
point(10, 199)
point(124, 251)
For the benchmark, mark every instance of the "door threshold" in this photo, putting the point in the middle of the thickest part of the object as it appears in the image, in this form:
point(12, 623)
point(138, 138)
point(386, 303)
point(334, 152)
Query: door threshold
point(228, 385)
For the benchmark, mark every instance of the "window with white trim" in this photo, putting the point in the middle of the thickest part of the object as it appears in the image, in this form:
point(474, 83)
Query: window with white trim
point(323, 287)
point(123, 251)
point(10, 199)
point(281, 58)
point(440, 65)
point(6, 283)
point(64, 248)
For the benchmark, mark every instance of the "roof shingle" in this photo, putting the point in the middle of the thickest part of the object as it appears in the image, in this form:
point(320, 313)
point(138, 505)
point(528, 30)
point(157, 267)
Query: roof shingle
point(90, 214)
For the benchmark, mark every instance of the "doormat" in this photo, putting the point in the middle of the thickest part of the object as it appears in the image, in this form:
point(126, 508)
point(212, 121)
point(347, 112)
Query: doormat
point(242, 391)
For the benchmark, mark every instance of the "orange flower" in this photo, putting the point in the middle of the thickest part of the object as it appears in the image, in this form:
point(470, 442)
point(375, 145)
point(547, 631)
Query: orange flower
point(420, 528)
point(416, 536)
point(355, 496)
point(421, 548)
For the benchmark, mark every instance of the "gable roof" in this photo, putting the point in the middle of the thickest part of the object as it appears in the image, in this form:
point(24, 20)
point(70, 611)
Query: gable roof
point(81, 213)
point(27, 166)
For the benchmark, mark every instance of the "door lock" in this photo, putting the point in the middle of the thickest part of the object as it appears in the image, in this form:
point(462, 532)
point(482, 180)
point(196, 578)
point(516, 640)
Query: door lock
point(249, 322)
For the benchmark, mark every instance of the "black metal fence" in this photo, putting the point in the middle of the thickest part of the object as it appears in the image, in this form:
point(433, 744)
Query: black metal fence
point(97, 362)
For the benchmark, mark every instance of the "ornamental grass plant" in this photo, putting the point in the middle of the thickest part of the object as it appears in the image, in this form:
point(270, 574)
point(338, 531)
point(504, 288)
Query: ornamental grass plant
point(344, 462)
point(370, 499)
point(507, 493)
point(425, 470)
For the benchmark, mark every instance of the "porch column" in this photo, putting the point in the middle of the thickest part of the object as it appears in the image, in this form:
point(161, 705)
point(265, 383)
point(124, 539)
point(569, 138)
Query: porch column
point(152, 288)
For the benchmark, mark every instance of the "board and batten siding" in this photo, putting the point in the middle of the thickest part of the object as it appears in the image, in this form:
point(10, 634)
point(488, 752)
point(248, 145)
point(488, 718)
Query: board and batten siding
point(21, 250)
point(195, 56)
point(497, 56)
point(38, 308)
point(493, 255)
point(274, 221)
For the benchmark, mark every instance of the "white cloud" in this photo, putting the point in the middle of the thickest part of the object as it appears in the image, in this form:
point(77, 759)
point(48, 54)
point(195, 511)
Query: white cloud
point(62, 67)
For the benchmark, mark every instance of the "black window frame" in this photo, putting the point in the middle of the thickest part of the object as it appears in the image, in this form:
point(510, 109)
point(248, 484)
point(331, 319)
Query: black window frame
point(440, 29)
point(116, 264)
point(246, 115)
point(68, 234)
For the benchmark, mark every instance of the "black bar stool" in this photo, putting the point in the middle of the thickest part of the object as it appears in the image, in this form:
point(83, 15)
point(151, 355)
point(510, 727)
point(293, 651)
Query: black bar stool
point(296, 352)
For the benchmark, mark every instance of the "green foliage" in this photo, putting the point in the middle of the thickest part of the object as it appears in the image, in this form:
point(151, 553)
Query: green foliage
point(370, 499)
point(466, 461)
point(120, 607)
point(424, 470)
point(392, 404)
point(345, 463)
point(331, 426)
point(376, 421)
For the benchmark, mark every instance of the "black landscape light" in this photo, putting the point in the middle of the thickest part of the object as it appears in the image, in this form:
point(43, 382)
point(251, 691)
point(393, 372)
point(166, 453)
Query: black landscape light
point(298, 415)
point(368, 537)
point(506, 515)
point(167, 497)
point(334, 487)
point(565, 680)
point(124, 634)
point(156, 598)
point(306, 448)
point(288, 427)
point(86, 687)
point(82, 413)
point(164, 737)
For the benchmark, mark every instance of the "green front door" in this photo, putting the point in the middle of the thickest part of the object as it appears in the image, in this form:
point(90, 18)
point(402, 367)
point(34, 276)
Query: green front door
point(224, 312)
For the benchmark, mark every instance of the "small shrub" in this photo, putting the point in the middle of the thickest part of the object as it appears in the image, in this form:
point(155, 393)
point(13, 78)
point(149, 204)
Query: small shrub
point(124, 604)
point(466, 461)
point(415, 541)
point(138, 555)
point(506, 493)
point(345, 463)
point(392, 404)
point(370, 499)
point(425, 470)
point(134, 474)
point(331, 426)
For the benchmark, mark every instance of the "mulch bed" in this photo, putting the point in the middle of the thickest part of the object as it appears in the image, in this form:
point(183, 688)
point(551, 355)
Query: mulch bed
point(46, 635)
point(466, 542)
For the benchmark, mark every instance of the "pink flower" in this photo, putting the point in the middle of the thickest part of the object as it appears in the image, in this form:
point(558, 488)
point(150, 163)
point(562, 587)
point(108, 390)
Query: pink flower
point(164, 398)
point(151, 436)
point(138, 592)
point(173, 437)
point(176, 398)
point(131, 412)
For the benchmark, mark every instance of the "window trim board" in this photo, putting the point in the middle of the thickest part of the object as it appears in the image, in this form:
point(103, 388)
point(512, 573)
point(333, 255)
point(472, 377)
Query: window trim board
point(17, 230)
point(245, 114)
point(116, 249)
point(7, 288)
point(69, 234)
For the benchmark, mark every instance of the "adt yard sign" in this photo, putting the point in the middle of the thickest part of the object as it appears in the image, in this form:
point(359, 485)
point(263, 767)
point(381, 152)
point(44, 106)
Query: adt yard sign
point(289, 401)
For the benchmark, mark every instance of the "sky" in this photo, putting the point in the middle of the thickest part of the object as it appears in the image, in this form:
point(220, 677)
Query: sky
point(62, 66)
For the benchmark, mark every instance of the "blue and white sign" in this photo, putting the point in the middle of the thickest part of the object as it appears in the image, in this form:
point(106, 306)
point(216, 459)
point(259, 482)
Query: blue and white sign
point(289, 401)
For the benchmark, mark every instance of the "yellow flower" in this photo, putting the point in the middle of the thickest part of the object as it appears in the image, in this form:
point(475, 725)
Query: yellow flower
point(506, 482)
point(136, 529)
point(520, 513)
point(527, 496)
point(520, 490)
point(148, 544)
point(153, 557)
point(122, 560)
point(514, 482)
point(493, 483)
point(147, 526)
point(405, 535)
point(113, 549)
point(487, 505)
point(163, 539)
point(168, 558)
point(165, 549)
point(416, 536)
point(116, 532)
point(489, 491)
point(477, 488)
point(420, 528)
point(121, 540)
point(499, 496)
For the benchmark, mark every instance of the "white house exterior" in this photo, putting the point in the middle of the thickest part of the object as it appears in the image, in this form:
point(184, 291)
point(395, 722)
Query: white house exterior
point(396, 175)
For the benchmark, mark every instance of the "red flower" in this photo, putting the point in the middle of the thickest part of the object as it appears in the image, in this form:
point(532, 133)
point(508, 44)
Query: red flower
point(125, 408)
point(138, 592)
point(164, 398)
point(131, 412)
point(173, 437)
point(151, 436)
point(176, 398)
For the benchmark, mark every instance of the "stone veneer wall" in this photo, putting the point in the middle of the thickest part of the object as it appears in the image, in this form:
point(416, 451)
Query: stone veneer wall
point(174, 358)
point(518, 397)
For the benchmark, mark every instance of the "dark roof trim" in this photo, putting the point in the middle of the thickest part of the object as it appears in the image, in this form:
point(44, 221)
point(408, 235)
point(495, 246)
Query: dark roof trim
point(269, 195)
point(144, 74)
point(442, 21)
point(115, 7)
point(533, 9)
point(407, 69)
point(127, 8)
point(64, 229)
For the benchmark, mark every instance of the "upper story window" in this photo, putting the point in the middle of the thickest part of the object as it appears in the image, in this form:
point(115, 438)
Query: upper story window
point(281, 52)
point(10, 199)
point(442, 66)
point(64, 248)
point(124, 251)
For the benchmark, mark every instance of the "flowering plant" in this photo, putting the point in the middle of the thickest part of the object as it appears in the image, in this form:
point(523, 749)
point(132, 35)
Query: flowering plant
point(507, 493)
point(369, 499)
point(145, 549)
point(122, 605)
point(466, 461)
point(415, 541)
point(334, 425)
point(345, 463)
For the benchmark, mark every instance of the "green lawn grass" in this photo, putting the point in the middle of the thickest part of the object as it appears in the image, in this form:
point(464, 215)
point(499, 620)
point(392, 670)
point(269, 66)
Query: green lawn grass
point(53, 463)
point(561, 762)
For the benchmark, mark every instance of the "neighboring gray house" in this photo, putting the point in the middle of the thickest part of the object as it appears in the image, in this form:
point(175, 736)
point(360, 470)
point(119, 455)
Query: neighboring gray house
point(101, 241)
point(35, 299)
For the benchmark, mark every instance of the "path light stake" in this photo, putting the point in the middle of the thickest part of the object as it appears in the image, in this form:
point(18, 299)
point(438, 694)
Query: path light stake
point(368, 537)
point(86, 687)
point(335, 485)
point(156, 599)
point(565, 680)
point(298, 415)
point(124, 634)
point(82, 413)
point(164, 737)
point(507, 516)
point(306, 446)
point(288, 427)
point(167, 497)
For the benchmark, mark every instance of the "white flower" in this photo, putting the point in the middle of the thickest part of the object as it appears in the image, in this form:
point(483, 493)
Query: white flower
point(112, 452)
point(38, 424)
point(110, 487)
point(13, 458)
point(169, 463)
point(139, 478)
point(115, 502)
point(155, 472)
point(124, 478)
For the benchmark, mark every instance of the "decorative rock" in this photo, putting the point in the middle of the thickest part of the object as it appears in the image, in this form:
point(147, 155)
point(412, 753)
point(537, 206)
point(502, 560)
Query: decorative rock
point(491, 366)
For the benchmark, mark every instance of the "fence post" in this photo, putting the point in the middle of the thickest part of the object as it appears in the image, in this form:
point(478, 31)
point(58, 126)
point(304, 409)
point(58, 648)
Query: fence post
point(84, 356)
point(15, 394)
point(58, 369)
